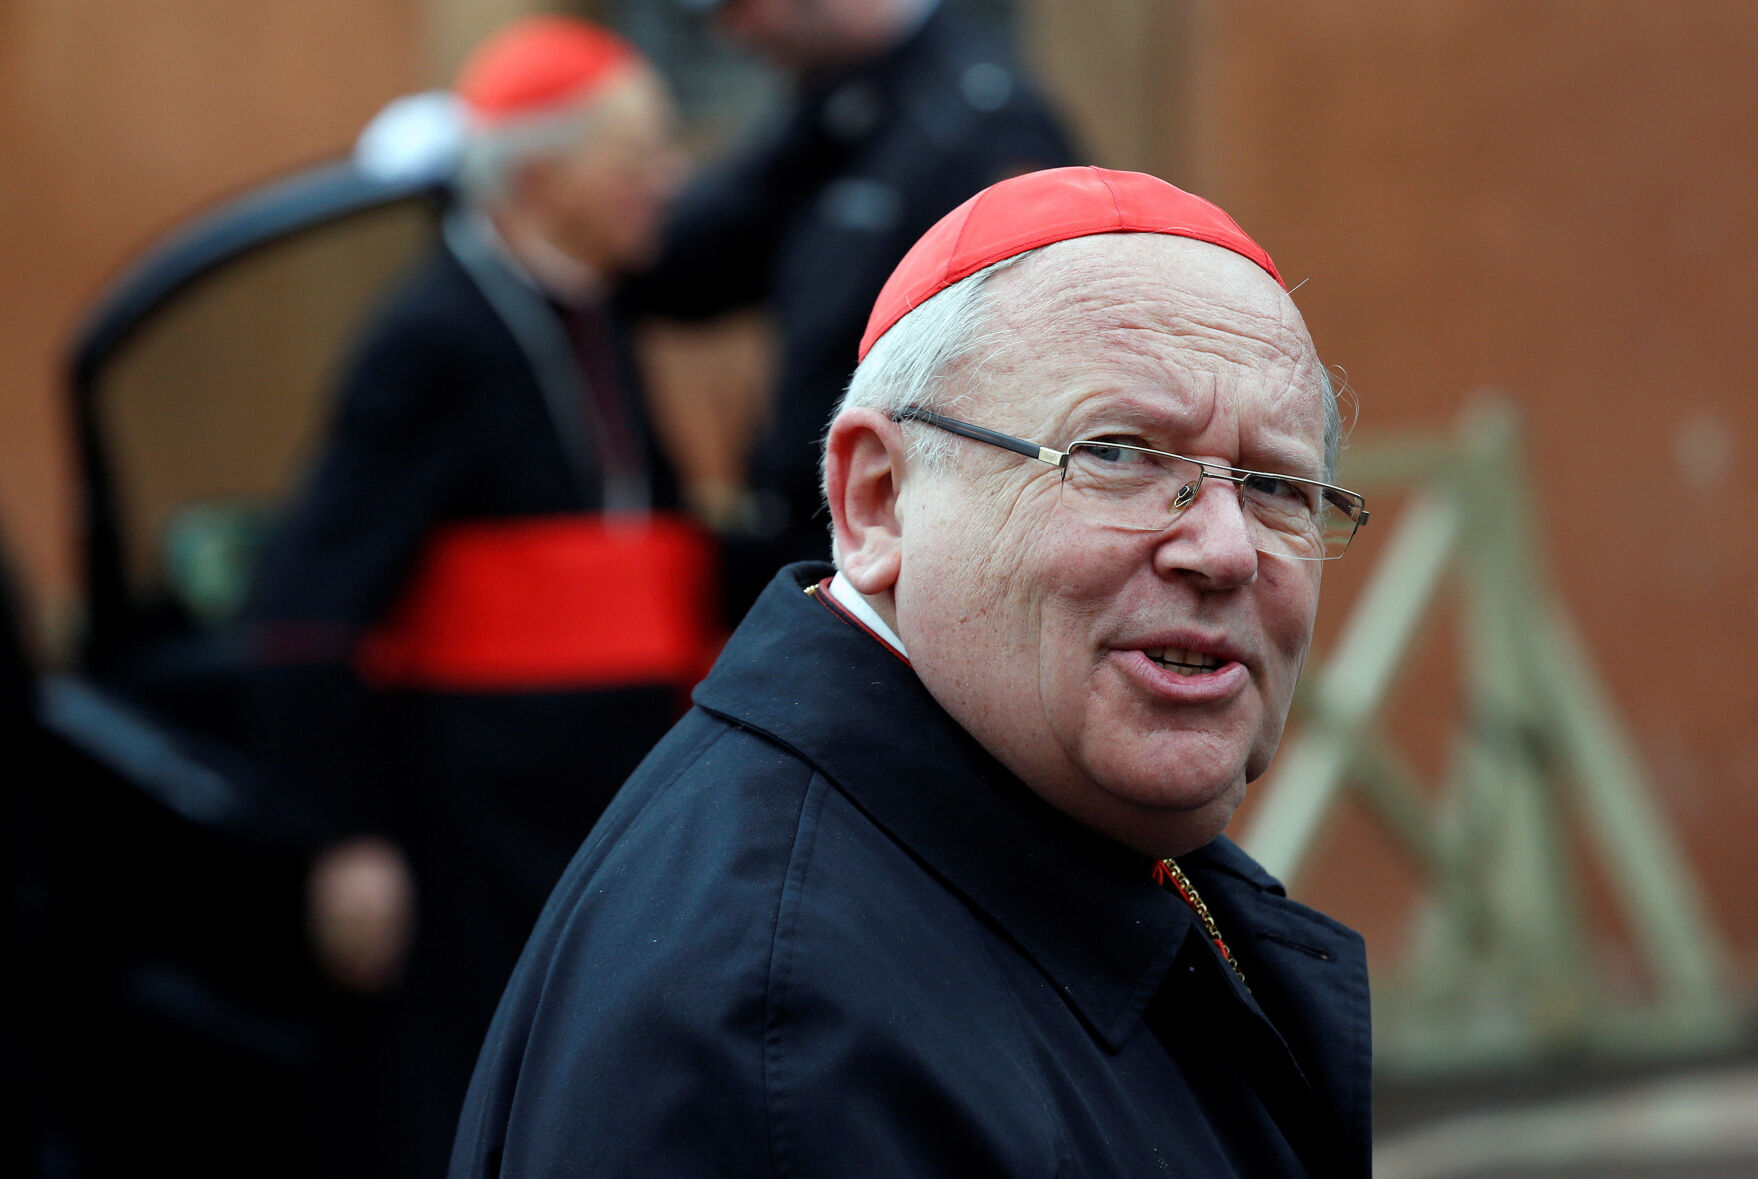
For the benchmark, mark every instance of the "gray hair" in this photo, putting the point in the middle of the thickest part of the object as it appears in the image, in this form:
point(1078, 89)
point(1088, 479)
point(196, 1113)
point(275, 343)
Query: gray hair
point(911, 364)
point(491, 155)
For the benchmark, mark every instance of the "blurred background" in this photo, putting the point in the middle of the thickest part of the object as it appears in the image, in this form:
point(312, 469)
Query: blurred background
point(1523, 229)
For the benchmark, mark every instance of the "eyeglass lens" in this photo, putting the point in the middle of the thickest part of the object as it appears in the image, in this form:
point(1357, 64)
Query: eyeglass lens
point(1145, 490)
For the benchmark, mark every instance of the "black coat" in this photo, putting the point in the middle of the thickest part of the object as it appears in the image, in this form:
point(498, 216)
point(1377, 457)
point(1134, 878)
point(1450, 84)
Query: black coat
point(810, 219)
point(823, 932)
point(442, 419)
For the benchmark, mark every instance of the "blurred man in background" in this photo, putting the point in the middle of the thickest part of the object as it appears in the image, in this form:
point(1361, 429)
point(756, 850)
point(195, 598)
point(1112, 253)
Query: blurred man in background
point(476, 617)
point(902, 109)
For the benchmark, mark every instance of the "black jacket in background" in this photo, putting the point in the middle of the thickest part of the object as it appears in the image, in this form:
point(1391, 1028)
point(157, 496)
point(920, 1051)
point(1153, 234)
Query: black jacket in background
point(823, 932)
point(811, 218)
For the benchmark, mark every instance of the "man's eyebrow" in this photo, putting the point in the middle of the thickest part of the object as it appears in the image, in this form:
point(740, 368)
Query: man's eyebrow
point(1272, 455)
point(1107, 414)
point(1292, 459)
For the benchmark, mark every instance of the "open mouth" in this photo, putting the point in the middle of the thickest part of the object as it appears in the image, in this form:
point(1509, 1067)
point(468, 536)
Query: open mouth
point(1184, 662)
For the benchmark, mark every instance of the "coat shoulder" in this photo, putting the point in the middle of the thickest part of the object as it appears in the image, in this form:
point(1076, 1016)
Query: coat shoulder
point(654, 950)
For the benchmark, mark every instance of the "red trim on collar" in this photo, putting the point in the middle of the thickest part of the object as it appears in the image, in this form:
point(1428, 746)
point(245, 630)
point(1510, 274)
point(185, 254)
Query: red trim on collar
point(821, 591)
point(1163, 876)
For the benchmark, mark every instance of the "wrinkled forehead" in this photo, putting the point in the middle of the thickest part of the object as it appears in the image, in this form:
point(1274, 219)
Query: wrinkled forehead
point(1139, 312)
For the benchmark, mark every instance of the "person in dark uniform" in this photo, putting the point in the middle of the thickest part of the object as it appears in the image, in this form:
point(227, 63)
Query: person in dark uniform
point(932, 880)
point(478, 614)
point(902, 110)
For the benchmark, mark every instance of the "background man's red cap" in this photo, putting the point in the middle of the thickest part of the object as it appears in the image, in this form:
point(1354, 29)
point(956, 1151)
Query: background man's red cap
point(1025, 212)
point(538, 64)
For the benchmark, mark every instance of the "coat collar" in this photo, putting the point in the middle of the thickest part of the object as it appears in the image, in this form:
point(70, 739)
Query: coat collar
point(1082, 908)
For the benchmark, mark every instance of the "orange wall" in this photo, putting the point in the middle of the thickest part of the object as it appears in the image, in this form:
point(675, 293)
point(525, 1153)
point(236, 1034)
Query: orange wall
point(1550, 198)
point(1555, 199)
point(116, 121)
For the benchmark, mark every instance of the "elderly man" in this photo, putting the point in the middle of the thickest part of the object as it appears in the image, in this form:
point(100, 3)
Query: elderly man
point(473, 624)
point(932, 880)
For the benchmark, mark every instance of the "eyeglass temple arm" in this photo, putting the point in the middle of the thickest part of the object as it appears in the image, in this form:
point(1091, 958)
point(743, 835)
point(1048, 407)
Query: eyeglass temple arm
point(1350, 504)
point(1031, 450)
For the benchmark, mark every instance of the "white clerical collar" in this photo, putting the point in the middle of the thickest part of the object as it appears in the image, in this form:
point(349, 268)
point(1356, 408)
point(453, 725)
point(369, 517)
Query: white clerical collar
point(851, 600)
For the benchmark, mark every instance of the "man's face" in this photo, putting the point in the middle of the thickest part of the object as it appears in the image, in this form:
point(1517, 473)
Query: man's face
point(604, 202)
point(1044, 633)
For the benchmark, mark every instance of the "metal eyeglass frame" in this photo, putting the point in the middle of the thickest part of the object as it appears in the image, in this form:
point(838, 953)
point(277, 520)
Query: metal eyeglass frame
point(1341, 497)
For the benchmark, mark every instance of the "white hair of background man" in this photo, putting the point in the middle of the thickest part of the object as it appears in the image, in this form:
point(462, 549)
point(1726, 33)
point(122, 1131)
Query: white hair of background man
point(490, 155)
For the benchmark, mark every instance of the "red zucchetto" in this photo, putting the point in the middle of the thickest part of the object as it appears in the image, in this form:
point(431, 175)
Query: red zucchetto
point(1024, 212)
point(539, 64)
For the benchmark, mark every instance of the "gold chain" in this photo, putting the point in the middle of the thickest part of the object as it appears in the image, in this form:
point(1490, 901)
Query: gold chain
point(1194, 899)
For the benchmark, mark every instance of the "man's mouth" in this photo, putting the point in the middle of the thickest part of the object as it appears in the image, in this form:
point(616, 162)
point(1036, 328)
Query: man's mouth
point(1184, 662)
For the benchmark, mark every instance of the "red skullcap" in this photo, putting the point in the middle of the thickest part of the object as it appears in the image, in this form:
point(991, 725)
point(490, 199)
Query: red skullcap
point(537, 64)
point(1025, 212)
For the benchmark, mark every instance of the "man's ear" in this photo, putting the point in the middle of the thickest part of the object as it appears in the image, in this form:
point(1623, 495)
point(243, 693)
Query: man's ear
point(863, 478)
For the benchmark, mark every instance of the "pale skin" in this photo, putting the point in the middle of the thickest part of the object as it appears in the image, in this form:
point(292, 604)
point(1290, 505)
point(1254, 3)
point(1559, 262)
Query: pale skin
point(360, 905)
point(1044, 634)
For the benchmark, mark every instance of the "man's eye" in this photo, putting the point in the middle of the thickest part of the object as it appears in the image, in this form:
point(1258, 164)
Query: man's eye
point(1120, 454)
point(1280, 489)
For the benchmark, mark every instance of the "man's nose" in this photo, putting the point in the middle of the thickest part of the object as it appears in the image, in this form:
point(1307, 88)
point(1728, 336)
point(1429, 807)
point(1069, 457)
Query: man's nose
point(1211, 538)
